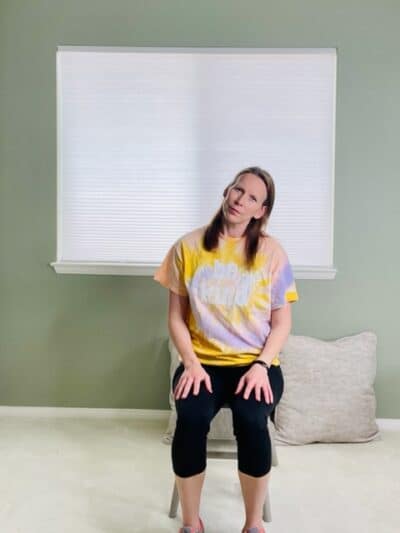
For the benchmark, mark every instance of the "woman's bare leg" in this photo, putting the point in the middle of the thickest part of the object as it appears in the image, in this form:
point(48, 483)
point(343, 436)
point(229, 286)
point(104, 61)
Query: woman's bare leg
point(189, 490)
point(253, 490)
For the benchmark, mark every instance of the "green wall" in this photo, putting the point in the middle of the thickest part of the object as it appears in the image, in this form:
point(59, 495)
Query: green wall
point(99, 341)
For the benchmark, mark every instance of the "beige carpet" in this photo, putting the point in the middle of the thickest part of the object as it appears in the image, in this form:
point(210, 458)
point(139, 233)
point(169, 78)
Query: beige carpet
point(104, 475)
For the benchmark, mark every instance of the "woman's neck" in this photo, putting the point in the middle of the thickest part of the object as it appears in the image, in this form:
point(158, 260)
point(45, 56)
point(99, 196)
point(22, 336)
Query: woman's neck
point(234, 230)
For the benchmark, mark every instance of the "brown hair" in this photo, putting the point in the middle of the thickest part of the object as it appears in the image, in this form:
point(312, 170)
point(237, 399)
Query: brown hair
point(254, 228)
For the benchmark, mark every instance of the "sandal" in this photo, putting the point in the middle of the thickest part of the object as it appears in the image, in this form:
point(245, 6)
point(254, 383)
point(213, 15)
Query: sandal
point(188, 529)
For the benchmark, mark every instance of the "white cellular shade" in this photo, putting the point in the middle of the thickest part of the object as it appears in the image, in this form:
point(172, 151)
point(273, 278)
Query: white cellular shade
point(148, 138)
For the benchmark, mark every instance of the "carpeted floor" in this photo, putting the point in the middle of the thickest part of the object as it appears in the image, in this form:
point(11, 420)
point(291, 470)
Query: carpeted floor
point(105, 475)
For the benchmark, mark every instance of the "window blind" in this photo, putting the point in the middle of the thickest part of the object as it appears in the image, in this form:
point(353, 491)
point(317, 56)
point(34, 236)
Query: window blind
point(148, 138)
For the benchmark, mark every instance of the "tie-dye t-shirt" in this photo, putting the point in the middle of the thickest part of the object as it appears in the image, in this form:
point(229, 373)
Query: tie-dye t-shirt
point(230, 307)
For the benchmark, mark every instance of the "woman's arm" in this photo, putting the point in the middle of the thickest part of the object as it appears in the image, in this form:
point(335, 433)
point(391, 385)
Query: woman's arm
point(178, 330)
point(281, 324)
point(194, 373)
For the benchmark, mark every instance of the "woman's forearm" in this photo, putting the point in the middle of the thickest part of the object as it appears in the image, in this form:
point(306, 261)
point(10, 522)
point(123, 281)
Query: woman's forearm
point(275, 342)
point(180, 335)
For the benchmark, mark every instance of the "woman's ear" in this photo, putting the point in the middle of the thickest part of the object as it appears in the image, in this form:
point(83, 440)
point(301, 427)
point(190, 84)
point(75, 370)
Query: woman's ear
point(262, 211)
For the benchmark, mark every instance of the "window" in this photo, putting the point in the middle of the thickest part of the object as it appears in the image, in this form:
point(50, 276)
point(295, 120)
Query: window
point(148, 138)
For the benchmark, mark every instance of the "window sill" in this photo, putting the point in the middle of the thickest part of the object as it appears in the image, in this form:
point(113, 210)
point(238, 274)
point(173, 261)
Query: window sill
point(130, 269)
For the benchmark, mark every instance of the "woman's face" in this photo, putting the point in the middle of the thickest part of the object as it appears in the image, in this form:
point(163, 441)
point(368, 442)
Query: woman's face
point(244, 200)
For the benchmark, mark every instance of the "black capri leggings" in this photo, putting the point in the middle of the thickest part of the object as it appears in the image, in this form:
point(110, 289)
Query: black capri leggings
point(194, 415)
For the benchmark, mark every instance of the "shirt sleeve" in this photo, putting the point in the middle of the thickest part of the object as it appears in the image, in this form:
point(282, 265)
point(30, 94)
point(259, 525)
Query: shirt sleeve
point(170, 273)
point(283, 288)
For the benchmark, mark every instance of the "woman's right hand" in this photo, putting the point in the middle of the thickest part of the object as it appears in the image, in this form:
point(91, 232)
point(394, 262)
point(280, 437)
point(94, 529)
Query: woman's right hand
point(193, 375)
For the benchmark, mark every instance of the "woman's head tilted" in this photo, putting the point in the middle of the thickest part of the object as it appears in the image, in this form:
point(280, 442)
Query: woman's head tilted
point(248, 199)
point(246, 207)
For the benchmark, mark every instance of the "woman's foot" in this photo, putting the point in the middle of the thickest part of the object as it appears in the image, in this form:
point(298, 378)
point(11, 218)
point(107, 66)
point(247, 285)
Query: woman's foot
point(189, 529)
point(253, 530)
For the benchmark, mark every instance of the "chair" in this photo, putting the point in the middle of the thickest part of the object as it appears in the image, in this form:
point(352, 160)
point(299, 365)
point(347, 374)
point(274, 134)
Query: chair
point(218, 454)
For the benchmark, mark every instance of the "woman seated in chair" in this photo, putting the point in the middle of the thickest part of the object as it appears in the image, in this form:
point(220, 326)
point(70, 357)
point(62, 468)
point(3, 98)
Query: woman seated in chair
point(230, 287)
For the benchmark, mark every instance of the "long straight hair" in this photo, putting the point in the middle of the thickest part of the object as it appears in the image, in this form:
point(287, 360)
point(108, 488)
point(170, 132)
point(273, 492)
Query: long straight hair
point(254, 229)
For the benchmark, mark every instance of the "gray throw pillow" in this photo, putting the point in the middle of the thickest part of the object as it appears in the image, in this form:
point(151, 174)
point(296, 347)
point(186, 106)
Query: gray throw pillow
point(329, 390)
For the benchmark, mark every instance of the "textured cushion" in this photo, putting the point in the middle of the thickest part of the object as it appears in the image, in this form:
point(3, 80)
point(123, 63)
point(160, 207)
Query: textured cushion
point(329, 394)
point(221, 427)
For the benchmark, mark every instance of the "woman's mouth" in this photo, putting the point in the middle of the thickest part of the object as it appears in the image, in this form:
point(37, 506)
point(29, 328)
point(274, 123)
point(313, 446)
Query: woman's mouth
point(232, 210)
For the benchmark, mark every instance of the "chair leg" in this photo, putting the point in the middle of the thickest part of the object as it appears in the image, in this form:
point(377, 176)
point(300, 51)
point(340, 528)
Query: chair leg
point(267, 517)
point(267, 508)
point(174, 502)
point(274, 456)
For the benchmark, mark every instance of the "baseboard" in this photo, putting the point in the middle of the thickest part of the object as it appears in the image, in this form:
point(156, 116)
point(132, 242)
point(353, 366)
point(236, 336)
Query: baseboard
point(84, 412)
point(388, 424)
point(138, 414)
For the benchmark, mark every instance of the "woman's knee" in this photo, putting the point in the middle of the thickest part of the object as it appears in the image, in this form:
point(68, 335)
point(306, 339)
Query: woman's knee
point(194, 414)
point(193, 421)
point(249, 417)
point(254, 452)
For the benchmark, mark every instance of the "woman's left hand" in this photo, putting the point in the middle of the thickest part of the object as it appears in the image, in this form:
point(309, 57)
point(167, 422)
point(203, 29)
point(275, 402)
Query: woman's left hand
point(256, 378)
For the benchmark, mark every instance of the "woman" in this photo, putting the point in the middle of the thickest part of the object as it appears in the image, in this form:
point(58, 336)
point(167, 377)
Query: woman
point(230, 286)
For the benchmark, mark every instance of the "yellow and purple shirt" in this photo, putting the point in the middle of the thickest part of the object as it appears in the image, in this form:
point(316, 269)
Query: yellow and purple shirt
point(230, 306)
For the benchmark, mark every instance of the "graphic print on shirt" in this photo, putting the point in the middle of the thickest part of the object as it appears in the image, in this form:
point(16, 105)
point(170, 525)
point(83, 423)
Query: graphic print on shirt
point(225, 300)
point(224, 284)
